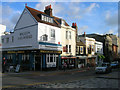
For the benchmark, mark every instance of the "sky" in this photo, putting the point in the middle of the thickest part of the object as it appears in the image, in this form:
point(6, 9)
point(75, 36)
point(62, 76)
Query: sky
point(91, 17)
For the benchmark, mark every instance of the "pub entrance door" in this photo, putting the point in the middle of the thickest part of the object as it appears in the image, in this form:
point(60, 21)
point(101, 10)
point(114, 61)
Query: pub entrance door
point(38, 65)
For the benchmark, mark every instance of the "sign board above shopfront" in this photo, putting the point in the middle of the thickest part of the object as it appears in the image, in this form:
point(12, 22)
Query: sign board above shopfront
point(46, 51)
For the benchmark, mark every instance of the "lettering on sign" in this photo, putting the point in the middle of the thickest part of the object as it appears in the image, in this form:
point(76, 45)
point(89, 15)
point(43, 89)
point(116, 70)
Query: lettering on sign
point(46, 19)
point(24, 35)
point(15, 52)
point(43, 51)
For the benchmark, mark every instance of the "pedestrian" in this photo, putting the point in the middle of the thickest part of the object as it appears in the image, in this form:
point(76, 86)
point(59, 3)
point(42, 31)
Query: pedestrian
point(88, 66)
point(64, 66)
point(3, 65)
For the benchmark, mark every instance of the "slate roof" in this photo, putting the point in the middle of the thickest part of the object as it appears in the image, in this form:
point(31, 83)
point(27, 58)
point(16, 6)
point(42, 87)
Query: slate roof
point(114, 39)
point(35, 13)
point(80, 43)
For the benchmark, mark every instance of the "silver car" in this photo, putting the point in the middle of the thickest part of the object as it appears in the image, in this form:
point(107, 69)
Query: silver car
point(104, 68)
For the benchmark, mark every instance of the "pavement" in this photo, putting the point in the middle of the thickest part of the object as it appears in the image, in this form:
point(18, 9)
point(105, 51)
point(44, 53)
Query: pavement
point(46, 73)
point(74, 78)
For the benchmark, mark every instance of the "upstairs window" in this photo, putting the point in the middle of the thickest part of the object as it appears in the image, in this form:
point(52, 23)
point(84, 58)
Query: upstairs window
point(69, 35)
point(66, 34)
point(52, 33)
point(2, 40)
point(12, 38)
point(45, 37)
point(7, 40)
point(66, 48)
point(69, 48)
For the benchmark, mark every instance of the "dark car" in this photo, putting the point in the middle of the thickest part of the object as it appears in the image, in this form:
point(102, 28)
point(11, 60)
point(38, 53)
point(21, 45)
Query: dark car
point(104, 68)
point(114, 64)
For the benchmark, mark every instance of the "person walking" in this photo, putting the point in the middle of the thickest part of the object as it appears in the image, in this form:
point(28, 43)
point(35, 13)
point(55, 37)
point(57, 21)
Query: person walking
point(3, 65)
point(64, 66)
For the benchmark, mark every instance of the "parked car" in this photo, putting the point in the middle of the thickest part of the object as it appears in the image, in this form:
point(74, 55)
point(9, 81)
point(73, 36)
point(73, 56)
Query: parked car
point(103, 68)
point(114, 64)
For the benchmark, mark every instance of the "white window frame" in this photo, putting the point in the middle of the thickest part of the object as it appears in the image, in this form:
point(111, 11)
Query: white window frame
point(69, 34)
point(52, 33)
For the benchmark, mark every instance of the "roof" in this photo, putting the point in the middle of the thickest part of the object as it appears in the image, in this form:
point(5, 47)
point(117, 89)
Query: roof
point(80, 43)
point(35, 13)
point(114, 39)
point(97, 37)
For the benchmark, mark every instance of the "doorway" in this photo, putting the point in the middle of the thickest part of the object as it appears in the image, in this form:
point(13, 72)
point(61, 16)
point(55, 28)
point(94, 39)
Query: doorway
point(38, 59)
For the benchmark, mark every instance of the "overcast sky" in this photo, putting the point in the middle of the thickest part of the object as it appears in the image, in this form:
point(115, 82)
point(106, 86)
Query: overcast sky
point(96, 17)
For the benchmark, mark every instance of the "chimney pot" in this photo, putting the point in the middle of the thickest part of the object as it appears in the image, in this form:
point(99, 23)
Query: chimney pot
point(84, 33)
point(73, 24)
point(48, 10)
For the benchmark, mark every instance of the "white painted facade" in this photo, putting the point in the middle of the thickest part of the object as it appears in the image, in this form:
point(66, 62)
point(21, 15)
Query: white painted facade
point(89, 42)
point(2, 29)
point(46, 29)
point(27, 35)
point(98, 47)
point(68, 39)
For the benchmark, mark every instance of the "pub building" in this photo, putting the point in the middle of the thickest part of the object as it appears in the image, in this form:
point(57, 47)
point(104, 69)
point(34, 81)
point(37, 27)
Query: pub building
point(38, 41)
point(35, 42)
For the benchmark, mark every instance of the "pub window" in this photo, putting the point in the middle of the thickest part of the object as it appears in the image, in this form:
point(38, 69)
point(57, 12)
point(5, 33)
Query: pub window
point(54, 58)
point(66, 34)
point(69, 48)
point(12, 38)
point(7, 40)
point(45, 37)
point(47, 58)
point(81, 50)
point(69, 35)
point(92, 48)
point(52, 33)
point(2, 40)
point(51, 58)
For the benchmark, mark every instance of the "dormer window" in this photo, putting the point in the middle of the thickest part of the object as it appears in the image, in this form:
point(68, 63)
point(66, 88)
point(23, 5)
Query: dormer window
point(63, 22)
point(46, 18)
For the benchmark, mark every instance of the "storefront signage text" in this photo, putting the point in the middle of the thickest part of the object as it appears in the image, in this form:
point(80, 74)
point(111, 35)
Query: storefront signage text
point(24, 35)
point(43, 51)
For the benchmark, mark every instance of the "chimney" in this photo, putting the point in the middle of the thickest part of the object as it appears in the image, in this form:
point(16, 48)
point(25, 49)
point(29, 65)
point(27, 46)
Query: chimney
point(48, 10)
point(74, 25)
point(84, 34)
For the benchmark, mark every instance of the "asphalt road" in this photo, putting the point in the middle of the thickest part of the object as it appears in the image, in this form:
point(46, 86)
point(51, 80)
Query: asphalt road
point(23, 79)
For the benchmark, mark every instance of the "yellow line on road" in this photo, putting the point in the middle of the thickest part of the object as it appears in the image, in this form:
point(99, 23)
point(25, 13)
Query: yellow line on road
point(11, 86)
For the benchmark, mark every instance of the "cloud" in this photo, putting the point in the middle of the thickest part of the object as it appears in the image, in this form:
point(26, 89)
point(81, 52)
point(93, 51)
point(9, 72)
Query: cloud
point(77, 12)
point(57, 7)
point(15, 18)
point(111, 31)
point(91, 7)
point(9, 17)
point(82, 29)
point(8, 23)
point(6, 11)
point(111, 19)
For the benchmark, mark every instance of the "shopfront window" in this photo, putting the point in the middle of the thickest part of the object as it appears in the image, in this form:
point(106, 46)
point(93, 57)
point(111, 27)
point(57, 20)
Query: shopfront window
point(51, 58)
point(69, 48)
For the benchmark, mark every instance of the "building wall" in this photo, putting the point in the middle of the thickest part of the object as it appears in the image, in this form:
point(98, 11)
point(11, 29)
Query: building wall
point(25, 20)
point(2, 29)
point(68, 41)
point(99, 47)
point(88, 41)
point(53, 43)
point(24, 38)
